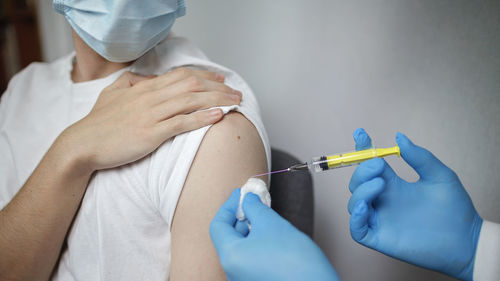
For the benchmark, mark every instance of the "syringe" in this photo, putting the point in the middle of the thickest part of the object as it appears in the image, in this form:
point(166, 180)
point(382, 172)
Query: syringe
point(325, 163)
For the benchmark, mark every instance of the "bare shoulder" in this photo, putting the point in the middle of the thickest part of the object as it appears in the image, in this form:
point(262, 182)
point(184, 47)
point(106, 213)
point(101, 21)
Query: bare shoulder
point(235, 140)
point(230, 153)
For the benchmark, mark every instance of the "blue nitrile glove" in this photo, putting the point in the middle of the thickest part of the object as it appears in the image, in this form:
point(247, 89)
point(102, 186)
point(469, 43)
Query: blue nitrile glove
point(431, 223)
point(273, 250)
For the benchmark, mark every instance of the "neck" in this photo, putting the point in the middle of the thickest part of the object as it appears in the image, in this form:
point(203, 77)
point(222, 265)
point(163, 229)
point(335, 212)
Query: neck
point(90, 65)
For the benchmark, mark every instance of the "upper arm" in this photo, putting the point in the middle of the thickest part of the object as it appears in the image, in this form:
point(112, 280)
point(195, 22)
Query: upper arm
point(230, 153)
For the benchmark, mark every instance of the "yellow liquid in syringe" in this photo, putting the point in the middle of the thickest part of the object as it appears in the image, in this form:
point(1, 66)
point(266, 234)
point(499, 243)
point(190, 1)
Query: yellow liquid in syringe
point(324, 163)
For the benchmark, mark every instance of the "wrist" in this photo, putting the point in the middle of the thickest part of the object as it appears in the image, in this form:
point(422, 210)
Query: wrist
point(468, 271)
point(72, 157)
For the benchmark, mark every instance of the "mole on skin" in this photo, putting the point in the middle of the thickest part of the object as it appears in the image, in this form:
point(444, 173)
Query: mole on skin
point(239, 137)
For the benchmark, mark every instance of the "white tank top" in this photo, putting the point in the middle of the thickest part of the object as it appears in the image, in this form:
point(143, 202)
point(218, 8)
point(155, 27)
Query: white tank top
point(122, 230)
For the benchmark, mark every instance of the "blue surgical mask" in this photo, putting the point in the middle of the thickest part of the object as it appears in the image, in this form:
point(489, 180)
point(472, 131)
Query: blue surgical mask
point(121, 30)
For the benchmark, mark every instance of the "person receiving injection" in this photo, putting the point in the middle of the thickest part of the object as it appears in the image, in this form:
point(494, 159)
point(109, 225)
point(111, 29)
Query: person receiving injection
point(430, 223)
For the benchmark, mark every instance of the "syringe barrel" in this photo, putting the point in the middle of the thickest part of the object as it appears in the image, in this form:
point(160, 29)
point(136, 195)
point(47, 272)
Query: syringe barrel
point(324, 163)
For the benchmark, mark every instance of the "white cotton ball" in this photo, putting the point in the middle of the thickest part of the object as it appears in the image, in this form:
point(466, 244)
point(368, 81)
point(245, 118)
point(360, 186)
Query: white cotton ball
point(258, 187)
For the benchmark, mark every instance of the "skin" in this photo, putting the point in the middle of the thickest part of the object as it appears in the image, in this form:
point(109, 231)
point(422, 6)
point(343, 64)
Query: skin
point(130, 119)
point(90, 65)
point(231, 152)
point(35, 222)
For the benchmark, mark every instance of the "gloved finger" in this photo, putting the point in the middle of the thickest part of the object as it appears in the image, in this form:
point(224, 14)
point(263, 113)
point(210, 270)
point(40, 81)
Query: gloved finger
point(427, 166)
point(242, 227)
point(388, 174)
point(360, 230)
point(222, 226)
point(367, 192)
point(366, 171)
point(362, 139)
point(258, 213)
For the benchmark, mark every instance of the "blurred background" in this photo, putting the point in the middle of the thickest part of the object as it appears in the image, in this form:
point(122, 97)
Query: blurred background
point(321, 69)
point(19, 39)
point(30, 31)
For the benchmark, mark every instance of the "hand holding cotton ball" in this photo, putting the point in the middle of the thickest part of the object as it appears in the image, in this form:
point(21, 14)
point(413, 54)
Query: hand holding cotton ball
point(256, 186)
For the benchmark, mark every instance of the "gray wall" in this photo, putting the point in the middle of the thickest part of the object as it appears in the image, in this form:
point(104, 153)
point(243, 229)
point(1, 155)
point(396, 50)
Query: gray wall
point(322, 68)
point(55, 32)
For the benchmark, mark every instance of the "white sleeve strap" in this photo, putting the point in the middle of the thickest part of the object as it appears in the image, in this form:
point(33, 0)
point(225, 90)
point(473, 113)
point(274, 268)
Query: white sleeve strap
point(487, 262)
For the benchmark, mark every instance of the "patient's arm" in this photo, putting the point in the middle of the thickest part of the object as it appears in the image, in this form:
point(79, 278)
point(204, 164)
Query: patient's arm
point(230, 153)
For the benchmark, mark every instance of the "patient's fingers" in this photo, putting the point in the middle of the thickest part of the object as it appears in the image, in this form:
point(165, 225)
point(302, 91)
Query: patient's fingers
point(184, 123)
point(180, 74)
point(191, 85)
point(185, 104)
point(127, 80)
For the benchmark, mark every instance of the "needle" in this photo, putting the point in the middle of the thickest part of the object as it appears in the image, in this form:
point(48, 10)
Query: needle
point(274, 172)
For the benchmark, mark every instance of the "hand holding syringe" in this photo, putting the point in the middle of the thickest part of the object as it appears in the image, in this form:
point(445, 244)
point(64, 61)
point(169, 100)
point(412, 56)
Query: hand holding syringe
point(418, 222)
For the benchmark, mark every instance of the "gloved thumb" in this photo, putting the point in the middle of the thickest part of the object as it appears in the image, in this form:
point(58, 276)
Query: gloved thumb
point(222, 226)
point(242, 227)
point(360, 230)
point(256, 211)
point(427, 166)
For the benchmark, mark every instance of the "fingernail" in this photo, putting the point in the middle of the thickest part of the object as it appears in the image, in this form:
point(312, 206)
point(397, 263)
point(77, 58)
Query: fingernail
point(237, 93)
point(219, 77)
point(215, 113)
point(234, 97)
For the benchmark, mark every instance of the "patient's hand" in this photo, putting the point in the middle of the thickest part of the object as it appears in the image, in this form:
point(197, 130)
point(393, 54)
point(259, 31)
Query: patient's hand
point(231, 152)
point(136, 114)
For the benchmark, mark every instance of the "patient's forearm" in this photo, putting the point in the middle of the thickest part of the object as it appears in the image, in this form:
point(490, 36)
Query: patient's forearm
point(34, 224)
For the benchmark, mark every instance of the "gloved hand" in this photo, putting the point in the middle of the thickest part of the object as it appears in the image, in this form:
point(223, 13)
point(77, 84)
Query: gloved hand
point(273, 250)
point(431, 223)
